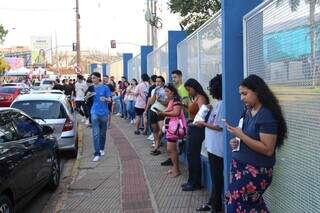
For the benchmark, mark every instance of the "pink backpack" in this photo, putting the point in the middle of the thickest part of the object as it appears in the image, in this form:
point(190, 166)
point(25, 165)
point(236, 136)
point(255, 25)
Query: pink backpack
point(176, 127)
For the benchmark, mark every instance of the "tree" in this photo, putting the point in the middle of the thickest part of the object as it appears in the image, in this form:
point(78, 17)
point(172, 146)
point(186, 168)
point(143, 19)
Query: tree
point(3, 33)
point(294, 5)
point(194, 12)
point(3, 66)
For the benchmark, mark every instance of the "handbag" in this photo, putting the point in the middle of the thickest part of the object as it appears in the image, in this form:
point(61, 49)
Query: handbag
point(176, 127)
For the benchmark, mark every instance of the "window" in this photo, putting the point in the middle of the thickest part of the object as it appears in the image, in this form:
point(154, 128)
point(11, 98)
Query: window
point(8, 90)
point(7, 131)
point(25, 126)
point(42, 109)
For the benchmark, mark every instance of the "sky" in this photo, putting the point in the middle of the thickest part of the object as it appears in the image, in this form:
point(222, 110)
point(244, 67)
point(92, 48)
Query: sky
point(101, 21)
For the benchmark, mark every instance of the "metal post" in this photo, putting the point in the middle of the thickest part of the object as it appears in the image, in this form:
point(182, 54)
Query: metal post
point(78, 33)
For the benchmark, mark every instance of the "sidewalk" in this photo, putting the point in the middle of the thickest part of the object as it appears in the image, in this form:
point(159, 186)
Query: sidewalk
point(127, 179)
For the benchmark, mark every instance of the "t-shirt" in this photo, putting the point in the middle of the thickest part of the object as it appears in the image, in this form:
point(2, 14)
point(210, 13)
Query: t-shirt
point(214, 139)
point(158, 91)
point(80, 90)
point(141, 96)
point(262, 122)
point(183, 92)
point(100, 107)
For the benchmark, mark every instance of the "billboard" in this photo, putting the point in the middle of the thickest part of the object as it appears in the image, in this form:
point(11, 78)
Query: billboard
point(41, 50)
point(14, 62)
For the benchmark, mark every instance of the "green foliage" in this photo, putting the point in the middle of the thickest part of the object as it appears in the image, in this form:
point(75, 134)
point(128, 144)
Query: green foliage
point(194, 12)
point(3, 66)
point(3, 33)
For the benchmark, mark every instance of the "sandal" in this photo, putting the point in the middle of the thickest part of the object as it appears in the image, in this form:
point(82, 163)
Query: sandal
point(169, 171)
point(204, 208)
point(175, 175)
point(155, 152)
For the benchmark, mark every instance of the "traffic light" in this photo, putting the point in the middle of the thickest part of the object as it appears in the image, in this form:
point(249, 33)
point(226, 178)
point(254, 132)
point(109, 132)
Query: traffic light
point(113, 44)
point(74, 46)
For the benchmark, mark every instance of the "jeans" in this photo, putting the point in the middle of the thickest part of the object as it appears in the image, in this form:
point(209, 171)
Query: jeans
point(99, 131)
point(124, 113)
point(195, 138)
point(117, 101)
point(130, 109)
point(81, 108)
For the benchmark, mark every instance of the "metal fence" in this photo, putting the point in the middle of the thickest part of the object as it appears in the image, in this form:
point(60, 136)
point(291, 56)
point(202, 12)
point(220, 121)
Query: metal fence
point(157, 62)
point(282, 46)
point(116, 69)
point(134, 68)
point(199, 55)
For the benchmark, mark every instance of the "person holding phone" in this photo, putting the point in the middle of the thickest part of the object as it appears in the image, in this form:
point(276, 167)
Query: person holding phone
point(264, 129)
point(213, 142)
point(99, 114)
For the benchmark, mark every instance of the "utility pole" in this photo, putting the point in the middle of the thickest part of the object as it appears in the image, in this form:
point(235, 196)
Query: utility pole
point(57, 56)
point(78, 33)
point(154, 30)
point(148, 23)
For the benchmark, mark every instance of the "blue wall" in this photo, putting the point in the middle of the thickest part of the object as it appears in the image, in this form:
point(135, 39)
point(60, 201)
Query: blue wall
point(145, 50)
point(93, 67)
point(174, 38)
point(232, 65)
point(126, 57)
point(105, 69)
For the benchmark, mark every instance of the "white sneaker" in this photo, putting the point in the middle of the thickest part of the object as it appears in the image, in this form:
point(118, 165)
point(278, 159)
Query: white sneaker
point(134, 121)
point(151, 138)
point(131, 121)
point(83, 120)
point(96, 158)
point(102, 153)
point(118, 114)
point(87, 122)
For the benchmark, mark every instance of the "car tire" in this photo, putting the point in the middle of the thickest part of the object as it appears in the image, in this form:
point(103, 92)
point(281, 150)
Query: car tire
point(74, 152)
point(6, 204)
point(54, 179)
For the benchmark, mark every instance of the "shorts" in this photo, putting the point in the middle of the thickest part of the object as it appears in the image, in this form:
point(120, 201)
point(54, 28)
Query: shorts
point(110, 106)
point(139, 111)
point(154, 117)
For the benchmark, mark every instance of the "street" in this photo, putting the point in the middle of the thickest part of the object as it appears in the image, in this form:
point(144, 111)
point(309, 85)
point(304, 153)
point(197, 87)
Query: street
point(46, 201)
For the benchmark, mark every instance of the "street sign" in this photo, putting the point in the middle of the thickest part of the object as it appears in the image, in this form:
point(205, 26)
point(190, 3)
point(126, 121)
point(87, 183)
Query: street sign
point(113, 44)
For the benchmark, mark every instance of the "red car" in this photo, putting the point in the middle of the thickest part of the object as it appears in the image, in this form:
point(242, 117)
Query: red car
point(9, 93)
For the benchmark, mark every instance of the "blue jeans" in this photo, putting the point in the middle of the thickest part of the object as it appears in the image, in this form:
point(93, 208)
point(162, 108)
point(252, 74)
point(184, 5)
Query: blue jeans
point(130, 109)
point(118, 108)
point(124, 108)
point(99, 132)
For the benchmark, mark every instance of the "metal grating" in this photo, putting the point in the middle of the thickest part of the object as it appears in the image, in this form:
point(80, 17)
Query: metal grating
point(279, 48)
point(134, 68)
point(158, 62)
point(199, 55)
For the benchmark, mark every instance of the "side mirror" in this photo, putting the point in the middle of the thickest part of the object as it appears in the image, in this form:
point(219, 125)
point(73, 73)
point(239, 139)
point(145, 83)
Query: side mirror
point(47, 130)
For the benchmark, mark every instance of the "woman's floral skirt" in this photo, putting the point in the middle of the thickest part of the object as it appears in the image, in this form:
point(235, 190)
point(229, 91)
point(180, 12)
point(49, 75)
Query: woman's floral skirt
point(247, 185)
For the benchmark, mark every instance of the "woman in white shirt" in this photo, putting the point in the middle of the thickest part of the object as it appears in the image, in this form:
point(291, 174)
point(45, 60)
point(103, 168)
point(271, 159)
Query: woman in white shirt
point(214, 144)
point(130, 100)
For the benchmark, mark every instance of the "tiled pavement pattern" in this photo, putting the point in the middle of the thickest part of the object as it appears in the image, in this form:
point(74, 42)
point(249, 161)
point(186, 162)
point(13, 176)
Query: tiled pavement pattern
point(165, 191)
point(128, 179)
point(97, 185)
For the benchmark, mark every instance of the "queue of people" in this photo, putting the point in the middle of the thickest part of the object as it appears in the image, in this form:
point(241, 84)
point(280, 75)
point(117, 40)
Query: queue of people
point(173, 114)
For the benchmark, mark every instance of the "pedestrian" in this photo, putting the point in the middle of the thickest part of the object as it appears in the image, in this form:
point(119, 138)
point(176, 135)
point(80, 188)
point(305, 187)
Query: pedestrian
point(130, 100)
point(158, 104)
point(174, 120)
point(57, 85)
point(195, 135)
point(146, 114)
point(141, 98)
point(99, 114)
point(89, 99)
point(106, 81)
point(264, 129)
point(80, 89)
point(213, 142)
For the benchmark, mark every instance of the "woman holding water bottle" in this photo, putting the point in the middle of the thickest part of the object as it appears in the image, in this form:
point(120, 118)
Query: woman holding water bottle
point(264, 129)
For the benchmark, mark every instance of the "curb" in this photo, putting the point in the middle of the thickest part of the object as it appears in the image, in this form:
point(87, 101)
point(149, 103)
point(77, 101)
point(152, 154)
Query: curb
point(73, 172)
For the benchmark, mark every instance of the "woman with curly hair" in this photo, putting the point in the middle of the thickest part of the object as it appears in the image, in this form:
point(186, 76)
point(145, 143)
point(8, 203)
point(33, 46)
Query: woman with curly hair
point(253, 157)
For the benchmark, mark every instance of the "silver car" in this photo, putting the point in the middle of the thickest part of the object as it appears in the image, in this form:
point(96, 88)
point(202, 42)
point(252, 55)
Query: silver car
point(53, 110)
point(51, 91)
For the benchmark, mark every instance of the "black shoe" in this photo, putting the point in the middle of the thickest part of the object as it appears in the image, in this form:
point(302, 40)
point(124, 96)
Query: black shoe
point(204, 208)
point(184, 184)
point(155, 152)
point(137, 132)
point(168, 162)
point(189, 188)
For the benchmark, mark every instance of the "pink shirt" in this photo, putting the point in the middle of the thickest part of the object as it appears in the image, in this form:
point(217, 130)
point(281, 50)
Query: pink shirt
point(141, 95)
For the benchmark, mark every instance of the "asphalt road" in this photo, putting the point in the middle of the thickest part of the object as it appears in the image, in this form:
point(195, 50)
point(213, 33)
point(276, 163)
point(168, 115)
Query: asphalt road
point(45, 200)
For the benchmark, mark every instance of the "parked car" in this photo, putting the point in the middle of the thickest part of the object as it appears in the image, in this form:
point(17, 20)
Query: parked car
point(46, 84)
point(9, 93)
point(22, 85)
point(53, 110)
point(36, 85)
point(52, 91)
point(29, 159)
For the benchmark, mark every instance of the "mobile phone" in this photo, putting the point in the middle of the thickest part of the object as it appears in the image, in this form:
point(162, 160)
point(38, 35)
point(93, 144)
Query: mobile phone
point(156, 109)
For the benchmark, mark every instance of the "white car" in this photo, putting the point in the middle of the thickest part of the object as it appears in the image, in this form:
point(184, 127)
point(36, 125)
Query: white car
point(46, 84)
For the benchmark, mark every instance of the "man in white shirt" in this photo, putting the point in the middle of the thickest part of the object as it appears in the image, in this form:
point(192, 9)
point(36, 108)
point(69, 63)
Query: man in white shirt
point(80, 88)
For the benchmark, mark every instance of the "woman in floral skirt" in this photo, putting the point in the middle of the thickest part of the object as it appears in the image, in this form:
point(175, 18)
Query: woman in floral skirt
point(253, 157)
